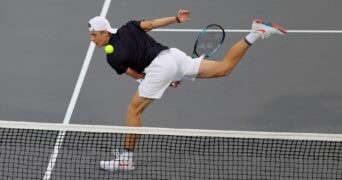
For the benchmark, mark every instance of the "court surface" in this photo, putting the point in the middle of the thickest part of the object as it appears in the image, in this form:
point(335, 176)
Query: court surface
point(290, 84)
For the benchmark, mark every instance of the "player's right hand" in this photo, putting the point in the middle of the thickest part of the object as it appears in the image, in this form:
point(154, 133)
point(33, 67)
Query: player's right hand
point(175, 83)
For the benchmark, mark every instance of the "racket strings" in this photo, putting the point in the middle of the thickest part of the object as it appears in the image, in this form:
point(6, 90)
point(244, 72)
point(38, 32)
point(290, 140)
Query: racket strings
point(209, 41)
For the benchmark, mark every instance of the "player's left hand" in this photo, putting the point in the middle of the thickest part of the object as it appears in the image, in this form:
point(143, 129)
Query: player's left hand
point(175, 84)
point(183, 15)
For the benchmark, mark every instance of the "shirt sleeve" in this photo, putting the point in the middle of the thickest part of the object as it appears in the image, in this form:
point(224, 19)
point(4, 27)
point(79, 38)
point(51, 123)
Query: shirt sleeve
point(136, 24)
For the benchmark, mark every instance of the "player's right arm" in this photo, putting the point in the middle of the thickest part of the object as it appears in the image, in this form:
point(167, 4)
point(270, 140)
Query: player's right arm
point(182, 16)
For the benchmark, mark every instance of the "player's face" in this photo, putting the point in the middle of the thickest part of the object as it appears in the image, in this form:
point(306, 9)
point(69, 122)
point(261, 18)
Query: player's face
point(100, 38)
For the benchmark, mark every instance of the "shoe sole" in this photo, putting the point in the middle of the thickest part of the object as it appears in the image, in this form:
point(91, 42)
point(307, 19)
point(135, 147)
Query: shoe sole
point(274, 25)
point(120, 168)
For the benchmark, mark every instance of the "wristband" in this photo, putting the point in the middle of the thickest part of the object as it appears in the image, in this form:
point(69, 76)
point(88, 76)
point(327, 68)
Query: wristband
point(178, 19)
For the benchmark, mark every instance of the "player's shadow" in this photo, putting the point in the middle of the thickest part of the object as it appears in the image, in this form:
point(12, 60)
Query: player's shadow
point(318, 113)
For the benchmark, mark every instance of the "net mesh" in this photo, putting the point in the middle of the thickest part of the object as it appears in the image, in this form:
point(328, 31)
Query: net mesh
point(26, 154)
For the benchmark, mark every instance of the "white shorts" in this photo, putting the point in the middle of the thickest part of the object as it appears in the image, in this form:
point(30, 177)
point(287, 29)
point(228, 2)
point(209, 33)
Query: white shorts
point(170, 65)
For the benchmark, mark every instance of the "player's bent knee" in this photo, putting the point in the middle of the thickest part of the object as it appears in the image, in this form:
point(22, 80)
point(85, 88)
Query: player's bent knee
point(133, 110)
point(138, 105)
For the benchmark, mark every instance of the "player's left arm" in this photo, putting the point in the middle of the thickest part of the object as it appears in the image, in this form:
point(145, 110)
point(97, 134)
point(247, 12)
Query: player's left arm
point(134, 74)
point(182, 16)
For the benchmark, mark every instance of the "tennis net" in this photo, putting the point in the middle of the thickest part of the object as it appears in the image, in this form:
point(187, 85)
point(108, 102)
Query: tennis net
point(73, 152)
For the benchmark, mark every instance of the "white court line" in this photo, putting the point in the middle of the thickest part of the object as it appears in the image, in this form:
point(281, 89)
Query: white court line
point(61, 135)
point(248, 30)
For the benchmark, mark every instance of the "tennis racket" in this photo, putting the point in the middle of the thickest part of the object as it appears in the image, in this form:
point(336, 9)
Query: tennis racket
point(209, 41)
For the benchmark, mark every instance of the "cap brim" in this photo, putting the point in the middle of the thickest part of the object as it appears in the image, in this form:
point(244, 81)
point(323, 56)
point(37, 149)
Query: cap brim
point(113, 31)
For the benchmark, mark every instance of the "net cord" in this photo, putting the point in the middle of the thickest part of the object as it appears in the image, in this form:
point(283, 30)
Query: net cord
point(171, 131)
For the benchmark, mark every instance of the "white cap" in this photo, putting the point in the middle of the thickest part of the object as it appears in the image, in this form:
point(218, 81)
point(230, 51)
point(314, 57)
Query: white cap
point(99, 23)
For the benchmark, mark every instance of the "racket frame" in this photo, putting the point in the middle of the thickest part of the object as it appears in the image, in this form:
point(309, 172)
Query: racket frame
point(206, 29)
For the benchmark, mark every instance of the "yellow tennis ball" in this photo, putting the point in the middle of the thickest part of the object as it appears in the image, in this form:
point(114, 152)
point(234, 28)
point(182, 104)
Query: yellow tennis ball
point(109, 49)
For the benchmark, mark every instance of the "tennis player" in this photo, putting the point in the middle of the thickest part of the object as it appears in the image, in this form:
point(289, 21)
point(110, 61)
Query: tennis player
point(157, 67)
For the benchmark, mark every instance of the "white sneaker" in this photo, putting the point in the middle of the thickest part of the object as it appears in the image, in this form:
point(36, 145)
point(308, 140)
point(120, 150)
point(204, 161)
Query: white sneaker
point(266, 29)
point(117, 165)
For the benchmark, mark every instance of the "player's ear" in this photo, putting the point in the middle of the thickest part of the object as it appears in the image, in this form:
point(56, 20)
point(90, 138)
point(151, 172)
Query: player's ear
point(108, 33)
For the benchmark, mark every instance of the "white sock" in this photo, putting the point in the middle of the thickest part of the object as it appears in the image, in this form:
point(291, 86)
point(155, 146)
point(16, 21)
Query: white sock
point(126, 155)
point(252, 37)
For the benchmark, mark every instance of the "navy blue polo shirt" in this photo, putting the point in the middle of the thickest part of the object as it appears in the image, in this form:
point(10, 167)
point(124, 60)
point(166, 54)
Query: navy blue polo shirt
point(133, 48)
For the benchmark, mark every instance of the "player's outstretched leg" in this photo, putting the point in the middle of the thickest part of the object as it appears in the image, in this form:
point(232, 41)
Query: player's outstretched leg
point(260, 29)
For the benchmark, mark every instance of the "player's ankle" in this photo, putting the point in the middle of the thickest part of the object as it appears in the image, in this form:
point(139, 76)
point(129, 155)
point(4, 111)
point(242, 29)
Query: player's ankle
point(126, 155)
